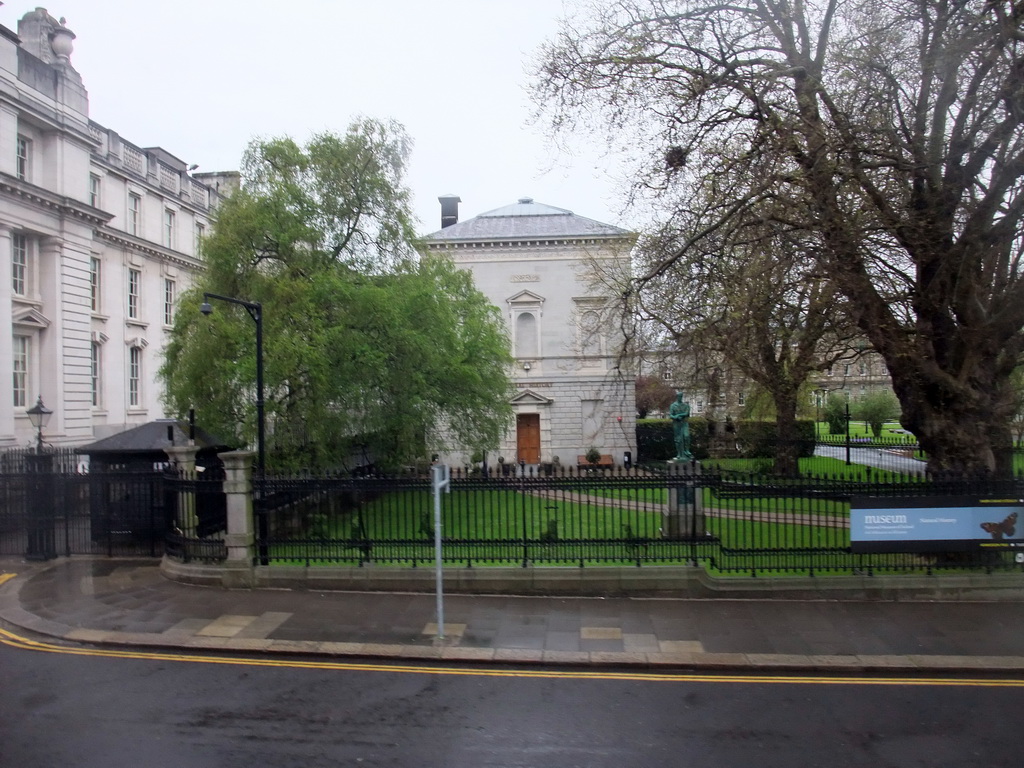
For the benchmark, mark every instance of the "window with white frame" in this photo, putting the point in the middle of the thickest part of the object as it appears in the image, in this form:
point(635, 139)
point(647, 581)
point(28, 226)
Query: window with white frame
point(94, 190)
point(741, 398)
point(22, 352)
point(134, 377)
point(168, 228)
point(94, 283)
point(134, 214)
point(94, 374)
point(20, 264)
point(23, 158)
point(134, 292)
point(169, 292)
point(200, 234)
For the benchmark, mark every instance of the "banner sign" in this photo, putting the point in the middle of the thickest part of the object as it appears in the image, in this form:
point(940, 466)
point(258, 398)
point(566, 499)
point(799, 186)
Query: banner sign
point(935, 524)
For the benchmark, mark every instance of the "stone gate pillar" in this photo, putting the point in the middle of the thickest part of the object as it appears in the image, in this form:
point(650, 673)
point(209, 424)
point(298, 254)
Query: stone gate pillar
point(240, 537)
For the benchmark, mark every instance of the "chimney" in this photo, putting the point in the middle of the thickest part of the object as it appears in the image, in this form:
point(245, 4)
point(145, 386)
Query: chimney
point(449, 209)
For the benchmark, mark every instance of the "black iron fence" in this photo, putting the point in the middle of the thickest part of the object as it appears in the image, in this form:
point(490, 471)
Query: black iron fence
point(729, 522)
point(45, 513)
point(726, 520)
point(197, 514)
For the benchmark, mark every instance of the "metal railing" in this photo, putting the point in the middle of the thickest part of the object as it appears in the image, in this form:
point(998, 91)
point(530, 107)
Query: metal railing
point(728, 522)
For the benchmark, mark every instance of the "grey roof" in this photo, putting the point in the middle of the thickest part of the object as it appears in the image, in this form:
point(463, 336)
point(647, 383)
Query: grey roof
point(150, 437)
point(526, 220)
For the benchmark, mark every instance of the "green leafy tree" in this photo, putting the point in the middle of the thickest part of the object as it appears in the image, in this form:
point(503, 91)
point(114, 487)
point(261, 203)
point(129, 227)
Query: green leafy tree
point(367, 347)
point(875, 408)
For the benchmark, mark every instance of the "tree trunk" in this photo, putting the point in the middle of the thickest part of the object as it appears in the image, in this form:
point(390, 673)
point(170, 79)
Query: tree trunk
point(786, 453)
point(965, 433)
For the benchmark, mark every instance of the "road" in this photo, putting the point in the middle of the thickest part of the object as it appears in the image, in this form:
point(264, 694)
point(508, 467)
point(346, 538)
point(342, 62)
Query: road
point(874, 457)
point(164, 711)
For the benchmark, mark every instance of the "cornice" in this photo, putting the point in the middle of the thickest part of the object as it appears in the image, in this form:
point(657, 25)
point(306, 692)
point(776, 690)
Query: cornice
point(536, 243)
point(13, 187)
point(120, 239)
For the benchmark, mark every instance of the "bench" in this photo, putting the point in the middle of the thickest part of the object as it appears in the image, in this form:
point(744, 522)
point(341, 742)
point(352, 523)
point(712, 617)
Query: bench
point(606, 461)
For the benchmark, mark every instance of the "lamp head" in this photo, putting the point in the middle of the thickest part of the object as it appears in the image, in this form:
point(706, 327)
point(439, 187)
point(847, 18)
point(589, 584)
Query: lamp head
point(206, 308)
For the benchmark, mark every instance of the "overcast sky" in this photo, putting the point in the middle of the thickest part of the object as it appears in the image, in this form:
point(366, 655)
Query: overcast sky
point(201, 78)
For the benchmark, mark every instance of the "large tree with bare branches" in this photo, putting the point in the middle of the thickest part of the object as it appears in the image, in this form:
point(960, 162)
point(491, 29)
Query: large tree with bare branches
point(898, 125)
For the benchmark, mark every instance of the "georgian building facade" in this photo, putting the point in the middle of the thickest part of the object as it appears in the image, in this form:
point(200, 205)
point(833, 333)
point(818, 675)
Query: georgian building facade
point(98, 237)
point(537, 264)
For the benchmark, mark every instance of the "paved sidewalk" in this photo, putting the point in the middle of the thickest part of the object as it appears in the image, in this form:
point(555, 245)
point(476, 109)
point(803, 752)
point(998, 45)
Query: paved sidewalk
point(130, 603)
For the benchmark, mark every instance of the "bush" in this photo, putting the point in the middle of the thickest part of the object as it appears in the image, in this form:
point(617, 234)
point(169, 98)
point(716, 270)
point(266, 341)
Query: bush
point(655, 441)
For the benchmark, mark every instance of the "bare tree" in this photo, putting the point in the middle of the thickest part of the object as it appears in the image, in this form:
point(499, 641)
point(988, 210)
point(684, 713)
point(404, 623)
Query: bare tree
point(747, 298)
point(900, 123)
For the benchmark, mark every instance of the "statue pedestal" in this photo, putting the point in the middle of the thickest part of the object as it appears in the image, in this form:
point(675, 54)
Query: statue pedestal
point(684, 514)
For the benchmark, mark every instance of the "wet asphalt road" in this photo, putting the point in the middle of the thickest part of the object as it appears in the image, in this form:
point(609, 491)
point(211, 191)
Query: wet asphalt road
point(93, 712)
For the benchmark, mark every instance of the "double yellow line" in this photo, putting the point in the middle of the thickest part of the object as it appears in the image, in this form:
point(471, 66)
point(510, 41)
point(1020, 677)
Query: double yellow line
point(23, 643)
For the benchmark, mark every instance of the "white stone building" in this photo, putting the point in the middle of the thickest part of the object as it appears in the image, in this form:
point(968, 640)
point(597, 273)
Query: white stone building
point(97, 239)
point(537, 264)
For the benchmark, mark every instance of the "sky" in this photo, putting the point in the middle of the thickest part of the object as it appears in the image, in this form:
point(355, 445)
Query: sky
point(202, 78)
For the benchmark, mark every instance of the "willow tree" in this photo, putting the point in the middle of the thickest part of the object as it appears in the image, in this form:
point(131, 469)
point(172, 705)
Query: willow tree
point(901, 124)
point(369, 350)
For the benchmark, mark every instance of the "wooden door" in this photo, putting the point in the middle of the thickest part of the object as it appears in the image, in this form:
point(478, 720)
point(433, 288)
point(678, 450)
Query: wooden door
point(528, 438)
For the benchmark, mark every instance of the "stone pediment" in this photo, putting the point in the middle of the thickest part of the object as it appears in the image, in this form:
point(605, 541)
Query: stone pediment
point(30, 317)
point(526, 297)
point(529, 397)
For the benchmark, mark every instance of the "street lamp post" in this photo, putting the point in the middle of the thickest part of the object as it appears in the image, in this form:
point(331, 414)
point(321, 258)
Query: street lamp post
point(255, 310)
point(39, 417)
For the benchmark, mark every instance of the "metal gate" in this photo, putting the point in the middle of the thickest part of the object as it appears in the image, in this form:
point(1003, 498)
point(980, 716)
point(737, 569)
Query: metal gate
point(45, 514)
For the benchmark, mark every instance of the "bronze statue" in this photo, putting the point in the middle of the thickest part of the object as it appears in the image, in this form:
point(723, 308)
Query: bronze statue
point(679, 412)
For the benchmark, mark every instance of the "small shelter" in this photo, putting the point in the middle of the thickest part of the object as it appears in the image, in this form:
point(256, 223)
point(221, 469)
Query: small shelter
point(142, 448)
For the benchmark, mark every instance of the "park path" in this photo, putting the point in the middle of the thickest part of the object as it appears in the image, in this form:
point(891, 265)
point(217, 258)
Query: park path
point(790, 518)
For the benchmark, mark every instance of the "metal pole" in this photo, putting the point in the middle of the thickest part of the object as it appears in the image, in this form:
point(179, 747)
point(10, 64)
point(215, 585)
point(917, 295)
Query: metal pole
point(848, 431)
point(440, 480)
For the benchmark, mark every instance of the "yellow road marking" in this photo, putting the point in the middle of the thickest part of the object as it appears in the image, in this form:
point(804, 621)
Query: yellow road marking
point(24, 643)
point(6, 577)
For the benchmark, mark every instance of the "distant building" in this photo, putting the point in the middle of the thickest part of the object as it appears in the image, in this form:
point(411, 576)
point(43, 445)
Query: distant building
point(98, 237)
point(537, 264)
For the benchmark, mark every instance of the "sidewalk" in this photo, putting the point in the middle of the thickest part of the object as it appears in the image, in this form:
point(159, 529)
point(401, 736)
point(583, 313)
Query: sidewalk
point(130, 603)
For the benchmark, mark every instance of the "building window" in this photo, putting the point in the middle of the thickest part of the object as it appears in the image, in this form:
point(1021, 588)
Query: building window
point(24, 154)
point(169, 302)
point(134, 214)
point(169, 228)
point(134, 377)
point(134, 285)
point(846, 369)
point(94, 283)
point(22, 350)
point(94, 375)
point(19, 265)
point(863, 369)
point(94, 190)
point(200, 234)
point(741, 398)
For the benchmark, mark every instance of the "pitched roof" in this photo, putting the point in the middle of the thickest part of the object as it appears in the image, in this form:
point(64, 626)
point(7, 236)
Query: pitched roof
point(526, 220)
point(151, 437)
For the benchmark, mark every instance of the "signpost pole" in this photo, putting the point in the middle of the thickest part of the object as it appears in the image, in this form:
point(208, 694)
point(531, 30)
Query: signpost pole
point(440, 480)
